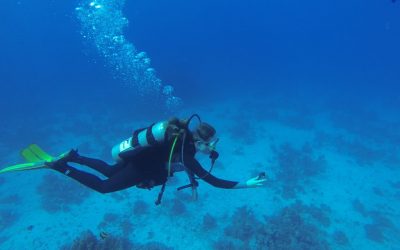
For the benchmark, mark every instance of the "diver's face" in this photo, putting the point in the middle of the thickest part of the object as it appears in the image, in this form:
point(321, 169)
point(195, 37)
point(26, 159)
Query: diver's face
point(202, 147)
point(206, 147)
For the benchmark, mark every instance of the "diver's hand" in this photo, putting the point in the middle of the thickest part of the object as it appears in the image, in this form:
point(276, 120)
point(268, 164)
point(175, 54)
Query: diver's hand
point(258, 181)
point(254, 182)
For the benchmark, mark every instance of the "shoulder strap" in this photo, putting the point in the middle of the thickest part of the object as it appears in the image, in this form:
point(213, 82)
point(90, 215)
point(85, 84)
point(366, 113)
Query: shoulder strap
point(160, 194)
point(135, 140)
point(149, 135)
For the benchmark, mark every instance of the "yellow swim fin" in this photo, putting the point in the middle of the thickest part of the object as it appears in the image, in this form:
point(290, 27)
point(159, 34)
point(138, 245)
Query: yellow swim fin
point(29, 156)
point(33, 153)
point(35, 157)
point(40, 153)
point(24, 166)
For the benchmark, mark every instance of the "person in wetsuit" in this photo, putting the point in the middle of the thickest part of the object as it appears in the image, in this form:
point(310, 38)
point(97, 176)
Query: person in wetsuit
point(152, 155)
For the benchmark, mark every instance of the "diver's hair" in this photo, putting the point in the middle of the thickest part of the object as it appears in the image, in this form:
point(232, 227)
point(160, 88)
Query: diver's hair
point(205, 131)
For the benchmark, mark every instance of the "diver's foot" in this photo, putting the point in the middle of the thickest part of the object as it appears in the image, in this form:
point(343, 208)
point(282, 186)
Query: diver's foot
point(70, 156)
point(58, 165)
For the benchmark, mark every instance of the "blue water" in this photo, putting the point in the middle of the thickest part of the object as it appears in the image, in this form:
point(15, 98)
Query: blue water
point(289, 62)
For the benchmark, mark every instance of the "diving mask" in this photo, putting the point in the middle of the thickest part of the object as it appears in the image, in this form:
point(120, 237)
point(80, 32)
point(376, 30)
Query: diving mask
point(207, 147)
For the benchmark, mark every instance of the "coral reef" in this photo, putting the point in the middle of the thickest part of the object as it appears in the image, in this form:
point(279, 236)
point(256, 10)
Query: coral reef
point(126, 226)
point(312, 213)
point(209, 222)
point(185, 195)
point(115, 222)
point(362, 153)
point(396, 185)
point(374, 232)
point(289, 229)
point(88, 241)
point(7, 218)
point(340, 238)
point(223, 244)
point(140, 207)
point(378, 191)
point(152, 246)
point(380, 223)
point(109, 219)
point(294, 227)
point(359, 207)
point(319, 214)
point(243, 225)
point(120, 196)
point(296, 166)
point(177, 207)
point(12, 199)
point(59, 193)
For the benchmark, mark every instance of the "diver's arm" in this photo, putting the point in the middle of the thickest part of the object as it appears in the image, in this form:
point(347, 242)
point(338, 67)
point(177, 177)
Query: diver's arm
point(252, 183)
point(198, 170)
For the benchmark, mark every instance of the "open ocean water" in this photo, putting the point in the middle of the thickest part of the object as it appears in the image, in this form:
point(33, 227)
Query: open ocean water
point(306, 91)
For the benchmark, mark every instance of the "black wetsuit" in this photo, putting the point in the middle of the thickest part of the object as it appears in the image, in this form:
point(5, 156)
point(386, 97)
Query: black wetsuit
point(146, 169)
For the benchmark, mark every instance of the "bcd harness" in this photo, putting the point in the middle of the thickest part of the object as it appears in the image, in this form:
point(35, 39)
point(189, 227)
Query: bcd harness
point(158, 133)
point(181, 133)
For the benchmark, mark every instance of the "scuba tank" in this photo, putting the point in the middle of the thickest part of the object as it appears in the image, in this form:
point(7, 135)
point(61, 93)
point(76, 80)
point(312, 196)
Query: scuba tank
point(158, 133)
point(140, 139)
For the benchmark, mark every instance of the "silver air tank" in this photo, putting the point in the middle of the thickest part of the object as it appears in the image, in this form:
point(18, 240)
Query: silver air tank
point(158, 131)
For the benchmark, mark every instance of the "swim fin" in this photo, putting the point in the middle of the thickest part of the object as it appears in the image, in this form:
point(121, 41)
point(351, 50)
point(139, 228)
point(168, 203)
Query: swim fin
point(29, 156)
point(35, 157)
point(25, 166)
point(33, 153)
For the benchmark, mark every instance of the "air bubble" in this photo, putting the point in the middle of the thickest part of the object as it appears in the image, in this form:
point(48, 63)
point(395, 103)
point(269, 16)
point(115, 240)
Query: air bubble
point(104, 29)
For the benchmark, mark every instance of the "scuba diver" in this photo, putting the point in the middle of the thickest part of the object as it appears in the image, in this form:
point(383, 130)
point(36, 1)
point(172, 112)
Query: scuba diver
point(145, 160)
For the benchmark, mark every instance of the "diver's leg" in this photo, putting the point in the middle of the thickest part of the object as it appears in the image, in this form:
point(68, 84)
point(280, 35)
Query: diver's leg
point(126, 177)
point(96, 164)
